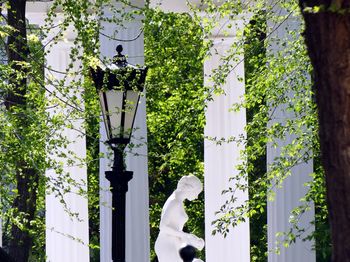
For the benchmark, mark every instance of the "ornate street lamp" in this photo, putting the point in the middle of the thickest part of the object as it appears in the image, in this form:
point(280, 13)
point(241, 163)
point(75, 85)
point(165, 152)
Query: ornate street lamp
point(119, 86)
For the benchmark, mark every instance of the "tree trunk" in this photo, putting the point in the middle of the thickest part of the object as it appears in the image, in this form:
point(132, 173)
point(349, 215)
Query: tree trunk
point(26, 176)
point(4, 257)
point(17, 52)
point(327, 35)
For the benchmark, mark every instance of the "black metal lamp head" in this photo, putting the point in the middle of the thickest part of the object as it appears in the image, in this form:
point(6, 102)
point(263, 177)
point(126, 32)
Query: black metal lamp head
point(119, 87)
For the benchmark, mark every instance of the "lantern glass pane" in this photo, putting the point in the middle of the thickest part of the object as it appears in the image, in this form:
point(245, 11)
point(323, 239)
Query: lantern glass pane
point(131, 102)
point(115, 100)
point(104, 112)
point(111, 105)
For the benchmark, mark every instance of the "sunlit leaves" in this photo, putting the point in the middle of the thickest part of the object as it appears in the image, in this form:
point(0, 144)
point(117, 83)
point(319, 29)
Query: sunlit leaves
point(175, 110)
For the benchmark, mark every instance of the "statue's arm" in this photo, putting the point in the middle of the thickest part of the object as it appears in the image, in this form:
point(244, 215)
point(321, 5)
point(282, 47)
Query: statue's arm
point(168, 229)
point(168, 222)
point(170, 216)
point(186, 238)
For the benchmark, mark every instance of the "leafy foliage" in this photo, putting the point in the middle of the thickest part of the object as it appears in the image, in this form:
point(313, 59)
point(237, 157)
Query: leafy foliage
point(40, 104)
point(255, 58)
point(175, 110)
point(280, 106)
point(277, 79)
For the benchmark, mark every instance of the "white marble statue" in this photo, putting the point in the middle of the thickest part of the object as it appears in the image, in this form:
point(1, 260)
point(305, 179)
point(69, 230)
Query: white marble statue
point(171, 238)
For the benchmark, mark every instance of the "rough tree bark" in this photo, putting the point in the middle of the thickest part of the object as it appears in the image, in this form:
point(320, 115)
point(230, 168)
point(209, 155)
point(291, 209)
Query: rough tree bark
point(26, 176)
point(327, 35)
point(4, 257)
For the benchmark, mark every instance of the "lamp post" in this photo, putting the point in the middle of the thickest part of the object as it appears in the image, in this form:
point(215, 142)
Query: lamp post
point(119, 86)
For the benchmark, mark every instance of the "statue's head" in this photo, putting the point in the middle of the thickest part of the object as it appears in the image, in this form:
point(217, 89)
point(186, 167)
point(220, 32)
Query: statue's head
point(190, 186)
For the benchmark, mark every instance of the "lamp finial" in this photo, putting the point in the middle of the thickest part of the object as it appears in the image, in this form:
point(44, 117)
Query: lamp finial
point(119, 59)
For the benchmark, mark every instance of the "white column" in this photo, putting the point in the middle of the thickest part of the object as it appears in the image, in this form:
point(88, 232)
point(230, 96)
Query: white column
point(288, 196)
point(220, 161)
point(67, 237)
point(137, 205)
point(279, 211)
point(105, 202)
